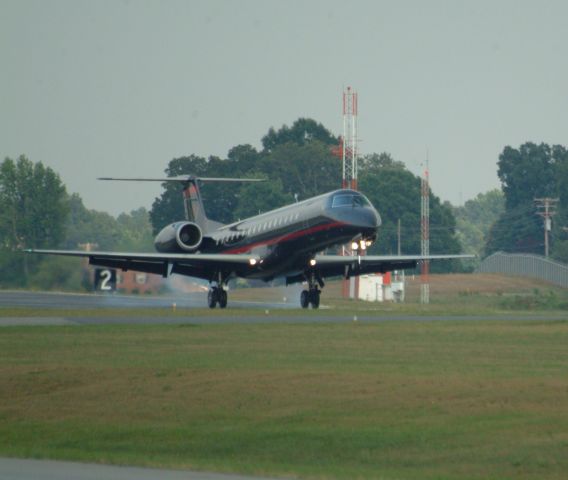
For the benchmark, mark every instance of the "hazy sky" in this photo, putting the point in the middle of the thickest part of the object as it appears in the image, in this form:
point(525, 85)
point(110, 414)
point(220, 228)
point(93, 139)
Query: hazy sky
point(100, 88)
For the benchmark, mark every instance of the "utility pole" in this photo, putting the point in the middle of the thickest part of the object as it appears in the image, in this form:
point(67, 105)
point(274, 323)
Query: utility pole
point(546, 208)
point(398, 236)
point(425, 234)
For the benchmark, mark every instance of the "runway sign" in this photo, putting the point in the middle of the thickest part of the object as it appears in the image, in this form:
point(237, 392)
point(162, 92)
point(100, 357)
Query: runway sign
point(105, 279)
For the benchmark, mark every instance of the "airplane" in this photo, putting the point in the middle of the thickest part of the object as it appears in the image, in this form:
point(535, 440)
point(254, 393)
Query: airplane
point(286, 242)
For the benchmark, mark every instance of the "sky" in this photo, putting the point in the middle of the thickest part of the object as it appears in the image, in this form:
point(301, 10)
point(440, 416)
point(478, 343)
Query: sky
point(119, 88)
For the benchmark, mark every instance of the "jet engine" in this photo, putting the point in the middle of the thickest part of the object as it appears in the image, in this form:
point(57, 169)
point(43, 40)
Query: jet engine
point(179, 237)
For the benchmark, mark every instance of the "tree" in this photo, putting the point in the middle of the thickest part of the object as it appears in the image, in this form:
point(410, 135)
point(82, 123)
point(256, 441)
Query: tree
point(135, 231)
point(396, 193)
point(476, 217)
point(33, 206)
point(89, 226)
point(255, 198)
point(306, 170)
point(529, 172)
point(33, 201)
point(302, 132)
point(297, 158)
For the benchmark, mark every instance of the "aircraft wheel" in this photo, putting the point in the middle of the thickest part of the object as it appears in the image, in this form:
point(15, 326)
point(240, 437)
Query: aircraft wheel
point(212, 298)
point(223, 297)
point(305, 299)
point(315, 298)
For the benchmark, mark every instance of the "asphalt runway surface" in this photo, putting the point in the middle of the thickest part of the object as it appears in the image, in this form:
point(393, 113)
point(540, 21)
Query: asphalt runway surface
point(91, 300)
point(21, 469)
point(267, 312)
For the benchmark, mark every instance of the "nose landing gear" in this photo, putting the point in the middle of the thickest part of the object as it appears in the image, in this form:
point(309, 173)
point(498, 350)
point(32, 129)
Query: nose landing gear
point(311, 296)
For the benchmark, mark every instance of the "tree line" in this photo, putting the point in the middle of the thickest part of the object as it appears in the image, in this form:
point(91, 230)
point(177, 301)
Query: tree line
point(298, 161)
point(36, 211)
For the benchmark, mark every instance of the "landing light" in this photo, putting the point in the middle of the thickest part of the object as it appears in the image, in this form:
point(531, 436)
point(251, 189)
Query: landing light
point(363, 246)
point(312, 262)
point(252, 261)
point(368, 243)
point(354, 246)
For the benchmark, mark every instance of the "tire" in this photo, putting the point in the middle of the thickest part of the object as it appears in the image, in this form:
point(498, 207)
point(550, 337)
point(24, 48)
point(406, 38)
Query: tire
point(212, 298)
point(305, 299)
point(315, 298)
point(223, 297)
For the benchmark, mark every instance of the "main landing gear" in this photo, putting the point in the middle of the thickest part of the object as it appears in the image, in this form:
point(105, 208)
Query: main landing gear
point(311, 296)
point(217, 293)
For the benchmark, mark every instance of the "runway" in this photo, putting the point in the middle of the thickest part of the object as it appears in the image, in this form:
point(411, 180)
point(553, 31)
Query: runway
point(262, 312)
point(21, 469)
point(75, 301)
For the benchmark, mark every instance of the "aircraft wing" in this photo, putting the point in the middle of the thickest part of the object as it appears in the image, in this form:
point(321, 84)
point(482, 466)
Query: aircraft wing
point(191, 264)
point(331, 265)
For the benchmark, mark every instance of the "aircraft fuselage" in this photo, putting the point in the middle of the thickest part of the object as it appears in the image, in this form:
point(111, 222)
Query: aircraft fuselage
point(288, 237)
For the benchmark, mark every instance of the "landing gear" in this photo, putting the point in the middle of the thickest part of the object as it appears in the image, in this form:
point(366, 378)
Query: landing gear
point(311, 296)
point(217, 295)
point(305, 299)
point(223, 297)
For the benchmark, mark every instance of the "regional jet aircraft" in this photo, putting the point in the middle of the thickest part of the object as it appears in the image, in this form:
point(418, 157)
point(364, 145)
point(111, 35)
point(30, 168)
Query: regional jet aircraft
point(286, 242)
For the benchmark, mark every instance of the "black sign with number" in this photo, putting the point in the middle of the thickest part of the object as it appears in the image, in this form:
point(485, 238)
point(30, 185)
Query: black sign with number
point(105, 279)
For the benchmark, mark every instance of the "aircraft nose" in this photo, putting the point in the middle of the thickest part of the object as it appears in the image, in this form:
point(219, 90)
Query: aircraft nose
point(371, 218)
point(366, 218)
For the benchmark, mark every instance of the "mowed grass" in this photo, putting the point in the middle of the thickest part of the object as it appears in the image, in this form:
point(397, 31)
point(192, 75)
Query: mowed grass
point(390, 400)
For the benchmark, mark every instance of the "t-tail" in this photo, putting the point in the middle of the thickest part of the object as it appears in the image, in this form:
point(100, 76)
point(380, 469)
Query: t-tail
point(192, 200)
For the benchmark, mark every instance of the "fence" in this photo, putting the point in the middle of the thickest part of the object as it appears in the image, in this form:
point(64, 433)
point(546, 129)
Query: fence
point(526, 265)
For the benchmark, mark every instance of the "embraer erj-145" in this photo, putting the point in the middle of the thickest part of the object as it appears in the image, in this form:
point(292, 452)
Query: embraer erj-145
point(286, 242)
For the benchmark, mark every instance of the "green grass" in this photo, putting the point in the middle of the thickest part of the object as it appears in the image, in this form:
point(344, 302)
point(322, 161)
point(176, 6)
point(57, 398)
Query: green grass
point(395, 400)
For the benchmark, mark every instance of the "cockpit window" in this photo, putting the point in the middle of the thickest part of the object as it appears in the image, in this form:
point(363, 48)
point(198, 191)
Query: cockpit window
point(349, 200)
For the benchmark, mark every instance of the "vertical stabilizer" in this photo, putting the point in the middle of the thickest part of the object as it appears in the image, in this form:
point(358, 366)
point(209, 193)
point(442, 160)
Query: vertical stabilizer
point(194, 208)
point(192, 201)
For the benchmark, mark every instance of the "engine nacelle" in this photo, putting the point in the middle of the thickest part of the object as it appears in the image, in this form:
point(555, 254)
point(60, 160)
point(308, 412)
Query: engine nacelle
point(179, 237)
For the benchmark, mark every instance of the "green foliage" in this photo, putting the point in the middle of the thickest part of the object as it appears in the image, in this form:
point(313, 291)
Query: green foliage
point(396, 192)
point(33, 208)
point(89, 226)
point(256, 198)
point(304, 170)
point(529, 172)
point(302, 132)
point(296, 160)
point(135, 231)
point(33, 202)
point(130, 232)
point(475, 218)
point(60, 273)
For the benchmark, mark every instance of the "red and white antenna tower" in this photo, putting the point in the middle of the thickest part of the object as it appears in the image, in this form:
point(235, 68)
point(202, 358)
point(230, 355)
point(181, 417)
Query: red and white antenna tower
point(349, 143)
point(425, 236)
point(349, 154)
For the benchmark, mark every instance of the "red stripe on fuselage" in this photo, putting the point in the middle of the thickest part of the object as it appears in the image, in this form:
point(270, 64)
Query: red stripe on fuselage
point(286, 237)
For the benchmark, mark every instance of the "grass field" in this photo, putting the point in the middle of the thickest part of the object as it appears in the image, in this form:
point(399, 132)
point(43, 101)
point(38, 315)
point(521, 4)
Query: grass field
point(391, 400)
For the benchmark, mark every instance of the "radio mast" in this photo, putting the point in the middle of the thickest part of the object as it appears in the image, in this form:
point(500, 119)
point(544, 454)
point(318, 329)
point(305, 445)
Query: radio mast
point(349, 150)
point(350, 287)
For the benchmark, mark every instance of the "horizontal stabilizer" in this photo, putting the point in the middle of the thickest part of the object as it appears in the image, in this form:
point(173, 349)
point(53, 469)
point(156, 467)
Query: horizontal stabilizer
point(184, 179)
